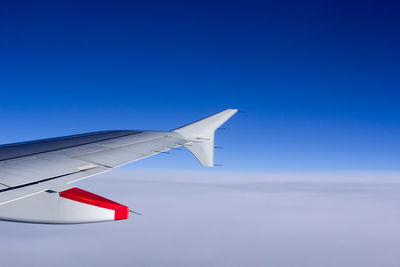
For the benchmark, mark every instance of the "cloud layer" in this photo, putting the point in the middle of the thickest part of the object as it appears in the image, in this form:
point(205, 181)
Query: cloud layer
point(225, 219)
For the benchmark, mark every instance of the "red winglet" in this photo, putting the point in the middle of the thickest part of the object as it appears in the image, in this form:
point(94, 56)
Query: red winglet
point(76, 194)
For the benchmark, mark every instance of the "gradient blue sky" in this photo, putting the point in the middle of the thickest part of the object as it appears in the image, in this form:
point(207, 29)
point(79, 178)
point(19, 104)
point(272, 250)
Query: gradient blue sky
point(319, 81)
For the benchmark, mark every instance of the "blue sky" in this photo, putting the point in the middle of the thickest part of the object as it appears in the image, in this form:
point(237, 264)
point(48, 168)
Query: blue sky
point(319, 81)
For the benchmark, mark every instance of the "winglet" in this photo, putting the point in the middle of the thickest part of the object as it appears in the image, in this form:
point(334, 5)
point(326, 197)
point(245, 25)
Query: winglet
point(201, 133)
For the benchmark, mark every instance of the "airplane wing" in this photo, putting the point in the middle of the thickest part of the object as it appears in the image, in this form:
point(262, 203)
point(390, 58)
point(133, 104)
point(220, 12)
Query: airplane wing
point(36, 178)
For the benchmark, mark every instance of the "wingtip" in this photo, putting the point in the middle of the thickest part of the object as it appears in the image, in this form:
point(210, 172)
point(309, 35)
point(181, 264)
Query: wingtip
point(234, 110)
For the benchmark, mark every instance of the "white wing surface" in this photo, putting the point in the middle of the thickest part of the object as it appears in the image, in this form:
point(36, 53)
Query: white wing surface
point(36, 177)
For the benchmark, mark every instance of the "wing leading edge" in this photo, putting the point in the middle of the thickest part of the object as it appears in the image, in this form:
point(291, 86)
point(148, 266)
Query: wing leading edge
point(31, 172)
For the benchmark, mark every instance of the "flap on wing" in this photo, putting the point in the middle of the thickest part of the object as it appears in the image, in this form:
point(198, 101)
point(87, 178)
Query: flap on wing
point(58, 183)
point(118, 155)
point(26, 170)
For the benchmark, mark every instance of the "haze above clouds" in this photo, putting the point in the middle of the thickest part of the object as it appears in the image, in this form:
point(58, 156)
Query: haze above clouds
point(209, 218)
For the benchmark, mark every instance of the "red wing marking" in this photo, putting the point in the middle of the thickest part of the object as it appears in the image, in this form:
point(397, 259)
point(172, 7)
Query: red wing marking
point(76, 194)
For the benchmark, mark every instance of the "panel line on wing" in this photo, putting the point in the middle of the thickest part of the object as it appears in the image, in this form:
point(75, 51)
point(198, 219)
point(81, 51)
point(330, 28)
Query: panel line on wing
point(66, 147)
point(36, 182)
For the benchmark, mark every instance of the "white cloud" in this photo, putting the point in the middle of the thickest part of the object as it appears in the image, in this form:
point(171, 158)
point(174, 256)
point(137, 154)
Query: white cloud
point(210, 218)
